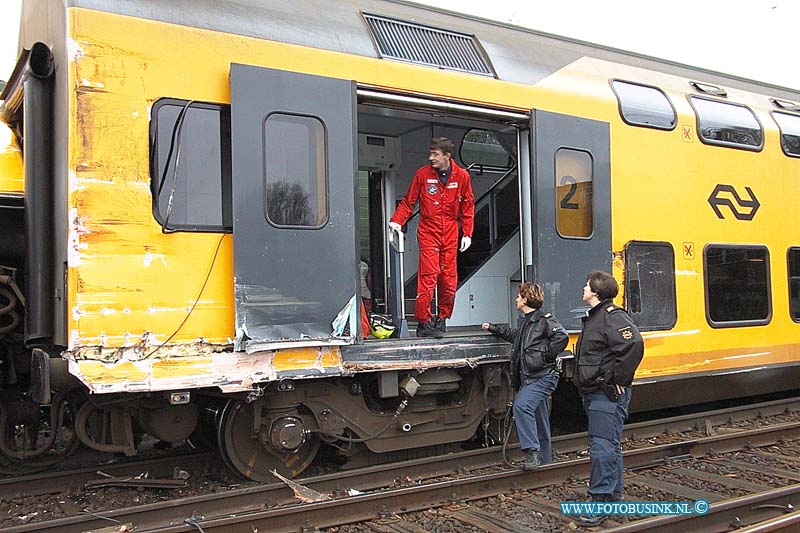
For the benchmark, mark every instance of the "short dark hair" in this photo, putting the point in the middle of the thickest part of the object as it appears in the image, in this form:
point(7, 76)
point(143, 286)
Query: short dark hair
point(603, 284)
point(444, 144)
point(532, 293)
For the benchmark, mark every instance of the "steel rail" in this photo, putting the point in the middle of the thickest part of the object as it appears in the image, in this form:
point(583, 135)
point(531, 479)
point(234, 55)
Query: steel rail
point(726, 514)
point(244, 508)
point(56, 482)
point(369, 506)
point(787, 522)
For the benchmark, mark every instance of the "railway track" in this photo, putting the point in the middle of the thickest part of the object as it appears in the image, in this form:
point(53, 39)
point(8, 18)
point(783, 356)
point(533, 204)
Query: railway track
point(453, 480)
point(160, 468)
point(765, 510)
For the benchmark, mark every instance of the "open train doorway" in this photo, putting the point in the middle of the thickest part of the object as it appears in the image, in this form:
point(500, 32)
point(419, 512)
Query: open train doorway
point(393, 139)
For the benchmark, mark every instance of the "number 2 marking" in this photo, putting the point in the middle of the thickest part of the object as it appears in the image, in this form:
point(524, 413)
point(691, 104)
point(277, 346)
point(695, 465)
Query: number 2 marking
point(573, 188)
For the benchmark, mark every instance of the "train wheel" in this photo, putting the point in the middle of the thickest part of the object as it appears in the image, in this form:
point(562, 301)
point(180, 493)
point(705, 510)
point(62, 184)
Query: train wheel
point(253, 454)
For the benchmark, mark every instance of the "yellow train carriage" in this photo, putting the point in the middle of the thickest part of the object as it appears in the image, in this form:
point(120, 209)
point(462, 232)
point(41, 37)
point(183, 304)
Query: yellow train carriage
point(216, 178)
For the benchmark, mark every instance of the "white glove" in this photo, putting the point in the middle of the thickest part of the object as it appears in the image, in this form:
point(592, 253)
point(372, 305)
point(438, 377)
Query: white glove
point(465, 243)
point(395, 226)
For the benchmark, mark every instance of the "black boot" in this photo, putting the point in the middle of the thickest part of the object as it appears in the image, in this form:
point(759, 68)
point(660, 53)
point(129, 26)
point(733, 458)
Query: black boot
point(594, 520)
point(439, 328)
point(441, 324)
point(426, 329)
point(532, 460)
point(591, 520)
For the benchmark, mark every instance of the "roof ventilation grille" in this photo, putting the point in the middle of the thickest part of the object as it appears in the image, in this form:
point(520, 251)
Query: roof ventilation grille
point(426, 45)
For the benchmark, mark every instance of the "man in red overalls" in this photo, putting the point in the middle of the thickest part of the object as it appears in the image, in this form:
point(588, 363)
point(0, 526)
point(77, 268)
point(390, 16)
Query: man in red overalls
point(444, 191)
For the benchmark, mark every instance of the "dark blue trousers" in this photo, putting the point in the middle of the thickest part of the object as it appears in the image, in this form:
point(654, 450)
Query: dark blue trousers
point(605, 431)
point(532, 416)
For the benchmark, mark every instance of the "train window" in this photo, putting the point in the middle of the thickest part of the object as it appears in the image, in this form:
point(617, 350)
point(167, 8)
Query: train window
point(295, 166)
point(190, 165)
point(650, 284)
point(727, 124)
point(737, 285)
point(793, 257)
point(643, 105)
point(574, 199)
point(481, 148)
point(790, 132)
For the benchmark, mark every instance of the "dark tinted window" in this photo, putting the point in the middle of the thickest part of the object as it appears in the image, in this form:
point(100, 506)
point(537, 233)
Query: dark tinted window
point(790, 132)
point(190, 165)
point(296, 177)
point(507, 209)
point(481, 247)
point(794, 283)
point(642, 105)
point(727, 124)
point(650, 284)
point(482, 148)
point(737, 285)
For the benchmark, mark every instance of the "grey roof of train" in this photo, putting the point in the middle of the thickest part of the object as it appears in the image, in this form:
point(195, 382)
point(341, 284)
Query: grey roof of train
point(518, 54)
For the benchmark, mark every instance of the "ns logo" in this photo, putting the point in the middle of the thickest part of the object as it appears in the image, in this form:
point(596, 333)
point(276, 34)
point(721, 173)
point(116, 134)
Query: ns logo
point(727, 196)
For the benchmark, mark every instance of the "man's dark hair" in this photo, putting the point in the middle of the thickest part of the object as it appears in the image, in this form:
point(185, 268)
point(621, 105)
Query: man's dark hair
point(444, 144)
point(532, 293)
point(603, 284)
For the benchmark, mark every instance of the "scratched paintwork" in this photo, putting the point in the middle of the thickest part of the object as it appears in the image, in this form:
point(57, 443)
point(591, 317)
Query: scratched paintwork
point(11, 177)
point(131, 287)
point(231, 372)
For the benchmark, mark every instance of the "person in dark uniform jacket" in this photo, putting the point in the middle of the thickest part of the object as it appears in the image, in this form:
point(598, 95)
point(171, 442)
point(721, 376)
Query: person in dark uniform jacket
point(608, 352)
point(537, 340)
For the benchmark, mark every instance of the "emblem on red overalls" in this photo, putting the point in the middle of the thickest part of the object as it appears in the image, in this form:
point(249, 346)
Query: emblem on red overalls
point(432, 188)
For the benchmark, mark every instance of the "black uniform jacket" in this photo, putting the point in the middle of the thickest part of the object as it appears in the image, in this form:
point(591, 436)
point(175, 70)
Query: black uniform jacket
point(609, 347)
point(537, 340)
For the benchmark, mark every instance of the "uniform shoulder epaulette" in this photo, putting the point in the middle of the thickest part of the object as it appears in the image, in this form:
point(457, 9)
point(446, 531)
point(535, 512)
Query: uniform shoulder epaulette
point(611, 308)
point(547, 315)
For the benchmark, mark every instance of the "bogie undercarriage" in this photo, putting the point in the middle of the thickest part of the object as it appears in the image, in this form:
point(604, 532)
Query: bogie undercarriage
point(280, 426)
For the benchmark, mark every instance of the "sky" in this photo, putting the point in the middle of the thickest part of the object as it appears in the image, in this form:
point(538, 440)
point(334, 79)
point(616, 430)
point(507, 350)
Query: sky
point(747, 38)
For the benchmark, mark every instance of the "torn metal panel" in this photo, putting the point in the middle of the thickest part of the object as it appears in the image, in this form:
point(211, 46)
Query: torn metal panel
point(255, 347)
point(371, 366)
point(228, 371)
point(343, 332)
point(268, 313)
point(425, 353)
point(145, 348)
point(203, 365)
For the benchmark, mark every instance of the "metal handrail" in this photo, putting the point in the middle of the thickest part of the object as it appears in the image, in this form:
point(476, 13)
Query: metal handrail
point(399, 247)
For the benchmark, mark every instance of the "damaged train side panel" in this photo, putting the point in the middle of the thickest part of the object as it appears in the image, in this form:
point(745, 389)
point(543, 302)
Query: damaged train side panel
point(229, 372)
point(141, 296)
point(135, 291)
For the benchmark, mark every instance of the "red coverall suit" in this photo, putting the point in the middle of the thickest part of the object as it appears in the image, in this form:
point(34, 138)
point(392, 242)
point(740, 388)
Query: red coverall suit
point(437, 233)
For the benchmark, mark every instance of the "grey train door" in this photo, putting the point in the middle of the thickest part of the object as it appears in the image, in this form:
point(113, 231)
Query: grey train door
point(571, 203)
point(294, 227)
